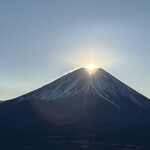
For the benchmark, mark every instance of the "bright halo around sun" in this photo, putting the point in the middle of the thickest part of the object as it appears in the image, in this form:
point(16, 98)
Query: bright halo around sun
point(91, 68)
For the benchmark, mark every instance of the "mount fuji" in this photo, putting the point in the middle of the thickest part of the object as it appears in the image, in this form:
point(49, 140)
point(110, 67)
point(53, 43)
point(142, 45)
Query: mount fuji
point(79, 104)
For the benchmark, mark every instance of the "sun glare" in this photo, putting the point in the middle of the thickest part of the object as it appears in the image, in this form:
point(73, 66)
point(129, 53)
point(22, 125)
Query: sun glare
point(91, 67)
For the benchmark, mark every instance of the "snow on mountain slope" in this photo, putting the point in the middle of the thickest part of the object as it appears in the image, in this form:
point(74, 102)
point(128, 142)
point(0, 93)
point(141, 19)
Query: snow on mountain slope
point(80, 81)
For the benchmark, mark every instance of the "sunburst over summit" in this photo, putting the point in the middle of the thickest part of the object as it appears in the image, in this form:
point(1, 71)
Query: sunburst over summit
point(91, 67)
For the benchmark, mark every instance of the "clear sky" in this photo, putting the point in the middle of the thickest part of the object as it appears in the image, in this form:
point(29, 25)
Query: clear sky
point(40, 40)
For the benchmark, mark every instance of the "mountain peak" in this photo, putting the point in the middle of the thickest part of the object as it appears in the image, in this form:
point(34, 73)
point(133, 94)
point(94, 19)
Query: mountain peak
point(85, 73)
point(84, 82)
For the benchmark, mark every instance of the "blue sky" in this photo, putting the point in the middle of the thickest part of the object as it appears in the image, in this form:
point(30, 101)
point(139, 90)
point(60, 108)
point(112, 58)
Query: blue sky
point(40, 40)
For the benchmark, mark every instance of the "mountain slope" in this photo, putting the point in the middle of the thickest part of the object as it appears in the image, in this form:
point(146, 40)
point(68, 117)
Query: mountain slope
point(1, 101)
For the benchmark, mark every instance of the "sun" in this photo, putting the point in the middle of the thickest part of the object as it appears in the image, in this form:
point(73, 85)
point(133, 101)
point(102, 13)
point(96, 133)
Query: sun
point(91, 68)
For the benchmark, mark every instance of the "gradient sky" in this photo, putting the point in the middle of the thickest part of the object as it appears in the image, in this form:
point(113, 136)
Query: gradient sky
point(40, 40)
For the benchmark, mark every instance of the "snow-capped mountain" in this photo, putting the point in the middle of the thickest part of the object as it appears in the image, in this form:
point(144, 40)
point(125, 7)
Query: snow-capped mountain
point(80, 102)
point(81, 81)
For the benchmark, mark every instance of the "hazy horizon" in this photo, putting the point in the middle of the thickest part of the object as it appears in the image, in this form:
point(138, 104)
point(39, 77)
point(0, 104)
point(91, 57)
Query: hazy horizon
point(42, 40)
